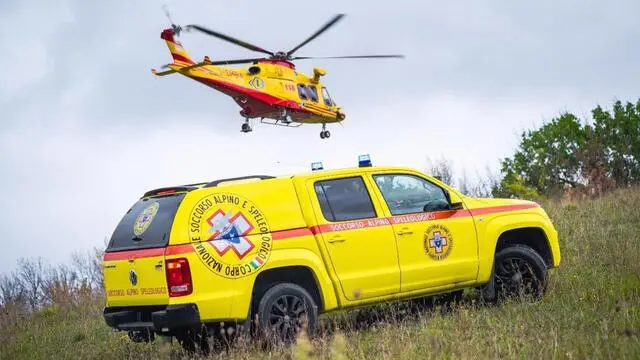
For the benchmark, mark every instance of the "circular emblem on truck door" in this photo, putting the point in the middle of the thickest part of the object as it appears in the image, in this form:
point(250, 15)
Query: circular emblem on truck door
point(438, 242)
point(144, 219)
point(230, 235)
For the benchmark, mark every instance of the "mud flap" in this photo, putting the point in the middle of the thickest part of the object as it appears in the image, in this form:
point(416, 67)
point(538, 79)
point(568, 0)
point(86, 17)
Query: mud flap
point(488, 290)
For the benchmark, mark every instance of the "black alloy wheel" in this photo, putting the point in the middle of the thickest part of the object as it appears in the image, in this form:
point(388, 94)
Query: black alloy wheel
point(285, 315)
point(520, 272)
point(284, 311)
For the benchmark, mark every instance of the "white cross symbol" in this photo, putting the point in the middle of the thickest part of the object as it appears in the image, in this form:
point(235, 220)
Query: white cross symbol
point(438, 241)
point(229, 233)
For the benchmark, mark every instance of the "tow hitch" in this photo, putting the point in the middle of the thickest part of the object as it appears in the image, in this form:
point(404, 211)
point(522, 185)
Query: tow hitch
point(140, 336)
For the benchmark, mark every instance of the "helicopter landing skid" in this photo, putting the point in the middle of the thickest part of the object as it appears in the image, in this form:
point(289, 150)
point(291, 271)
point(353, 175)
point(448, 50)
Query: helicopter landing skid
point(280, 123)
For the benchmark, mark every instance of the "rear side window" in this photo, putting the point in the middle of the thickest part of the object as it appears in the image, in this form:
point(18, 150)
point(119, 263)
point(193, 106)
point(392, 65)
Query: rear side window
point(344, 199)
point(313, 92)
point(302, 92)
point(146, 225)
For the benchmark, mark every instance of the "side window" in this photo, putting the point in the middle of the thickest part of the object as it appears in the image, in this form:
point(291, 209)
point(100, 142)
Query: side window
point(344, 199)
point(326, 97)
point(302, 92)
point(313, 93)
point(406, 194)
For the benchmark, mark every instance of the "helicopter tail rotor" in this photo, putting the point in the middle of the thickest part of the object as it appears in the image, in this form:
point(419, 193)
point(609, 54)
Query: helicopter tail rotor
point(178, 53)
point(177, 29)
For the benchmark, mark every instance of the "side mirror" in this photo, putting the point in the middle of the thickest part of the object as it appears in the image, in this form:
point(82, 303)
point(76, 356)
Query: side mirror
point(441, 205)
point(455, 201)
point(456, 206)
point(436, 205)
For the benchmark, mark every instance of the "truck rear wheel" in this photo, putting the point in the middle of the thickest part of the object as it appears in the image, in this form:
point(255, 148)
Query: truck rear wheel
point(519, 271)
point(284, 310)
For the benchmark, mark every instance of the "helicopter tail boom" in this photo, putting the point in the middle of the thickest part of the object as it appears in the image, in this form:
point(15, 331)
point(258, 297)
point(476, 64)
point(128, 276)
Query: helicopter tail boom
point(179, 54)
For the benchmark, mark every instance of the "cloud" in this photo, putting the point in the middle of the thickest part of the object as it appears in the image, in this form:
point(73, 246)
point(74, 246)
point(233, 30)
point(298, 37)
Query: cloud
point(25, 41)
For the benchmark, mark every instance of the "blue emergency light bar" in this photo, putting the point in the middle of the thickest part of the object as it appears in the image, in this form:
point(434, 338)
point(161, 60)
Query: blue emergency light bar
point(364, 160)
point(316, 166)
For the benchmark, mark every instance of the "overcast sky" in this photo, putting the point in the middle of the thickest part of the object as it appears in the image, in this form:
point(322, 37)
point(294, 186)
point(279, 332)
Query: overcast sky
point(86, 129)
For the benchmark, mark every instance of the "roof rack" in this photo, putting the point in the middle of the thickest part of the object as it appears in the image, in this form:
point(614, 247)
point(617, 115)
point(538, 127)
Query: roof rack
point(216, 182)
point(197, 184)
point(169, 190)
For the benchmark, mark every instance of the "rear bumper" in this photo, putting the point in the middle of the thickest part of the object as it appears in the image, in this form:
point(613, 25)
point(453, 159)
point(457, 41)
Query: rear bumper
point(160, 319)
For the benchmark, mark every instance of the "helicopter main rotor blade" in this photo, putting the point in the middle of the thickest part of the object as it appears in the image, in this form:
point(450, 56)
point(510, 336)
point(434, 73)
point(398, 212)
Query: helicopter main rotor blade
point(324, 28)
point(230, 39)
point(348, 57)
point(237, 61)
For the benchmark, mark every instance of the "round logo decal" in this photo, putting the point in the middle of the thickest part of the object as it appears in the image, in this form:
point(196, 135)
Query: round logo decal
point(144, 219)
point(230, 235)
point(438, 242)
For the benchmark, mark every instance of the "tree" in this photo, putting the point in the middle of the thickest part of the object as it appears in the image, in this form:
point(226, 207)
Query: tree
point(11, 290)
point(441, 169)
point(480, 186)
point(594, 169)
point(546, 160)
point(619, 134)
point(31, 274)
point(587, 159)
point(88, 266)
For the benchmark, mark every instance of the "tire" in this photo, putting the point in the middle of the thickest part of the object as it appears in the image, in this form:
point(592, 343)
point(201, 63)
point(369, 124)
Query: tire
point(194, 341)
point(285, 326)
point(519, 271)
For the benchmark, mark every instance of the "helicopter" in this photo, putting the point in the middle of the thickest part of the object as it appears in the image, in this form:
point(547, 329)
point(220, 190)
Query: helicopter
point(270, 87)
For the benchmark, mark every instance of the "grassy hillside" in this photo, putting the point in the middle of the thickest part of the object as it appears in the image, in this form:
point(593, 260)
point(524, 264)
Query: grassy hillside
point(591, 311)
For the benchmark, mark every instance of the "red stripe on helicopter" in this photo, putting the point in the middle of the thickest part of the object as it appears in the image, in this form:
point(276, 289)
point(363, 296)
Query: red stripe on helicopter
point(179, 57)
point(258, 95)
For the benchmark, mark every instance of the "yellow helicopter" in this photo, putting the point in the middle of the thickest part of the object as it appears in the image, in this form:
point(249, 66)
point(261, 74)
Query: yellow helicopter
point(269, 88)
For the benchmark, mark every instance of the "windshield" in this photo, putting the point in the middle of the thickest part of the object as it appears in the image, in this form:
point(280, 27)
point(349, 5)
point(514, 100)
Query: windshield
point(147, 224)
point(327, 98)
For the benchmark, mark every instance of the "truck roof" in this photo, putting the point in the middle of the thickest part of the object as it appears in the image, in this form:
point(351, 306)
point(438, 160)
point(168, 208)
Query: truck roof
point(247, 178)
point(347, 170)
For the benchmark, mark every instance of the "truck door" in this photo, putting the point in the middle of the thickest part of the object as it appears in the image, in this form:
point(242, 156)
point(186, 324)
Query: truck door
point(133, 263)
point(358, 238)
point(435, 247)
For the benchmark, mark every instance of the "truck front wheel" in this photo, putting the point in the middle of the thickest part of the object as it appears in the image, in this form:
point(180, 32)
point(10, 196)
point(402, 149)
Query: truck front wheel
point(284, 310)
point(519, 271)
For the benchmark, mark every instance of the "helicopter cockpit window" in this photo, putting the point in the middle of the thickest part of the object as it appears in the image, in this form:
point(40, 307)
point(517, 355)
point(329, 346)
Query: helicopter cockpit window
point(327, 98)
point(302, 91)
point(313, 93)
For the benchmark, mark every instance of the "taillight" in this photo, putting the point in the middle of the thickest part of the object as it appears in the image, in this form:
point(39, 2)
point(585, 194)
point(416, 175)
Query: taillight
point(179, 277)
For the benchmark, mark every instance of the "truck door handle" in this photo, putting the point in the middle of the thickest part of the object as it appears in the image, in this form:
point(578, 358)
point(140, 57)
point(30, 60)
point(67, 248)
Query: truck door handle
point(336, 239)
point(405, 231)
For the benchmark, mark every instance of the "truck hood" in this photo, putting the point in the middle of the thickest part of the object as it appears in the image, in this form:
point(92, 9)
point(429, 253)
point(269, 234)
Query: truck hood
point(473, 202)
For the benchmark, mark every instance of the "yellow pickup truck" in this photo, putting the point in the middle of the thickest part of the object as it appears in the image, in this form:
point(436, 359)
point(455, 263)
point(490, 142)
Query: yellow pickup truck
point(184, 259)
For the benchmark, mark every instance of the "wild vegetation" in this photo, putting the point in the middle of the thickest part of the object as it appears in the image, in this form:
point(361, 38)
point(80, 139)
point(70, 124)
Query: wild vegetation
point(565, 157)
point(590, 311)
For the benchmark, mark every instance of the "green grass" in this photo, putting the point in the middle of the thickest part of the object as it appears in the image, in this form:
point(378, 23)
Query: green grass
point(590, 311)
